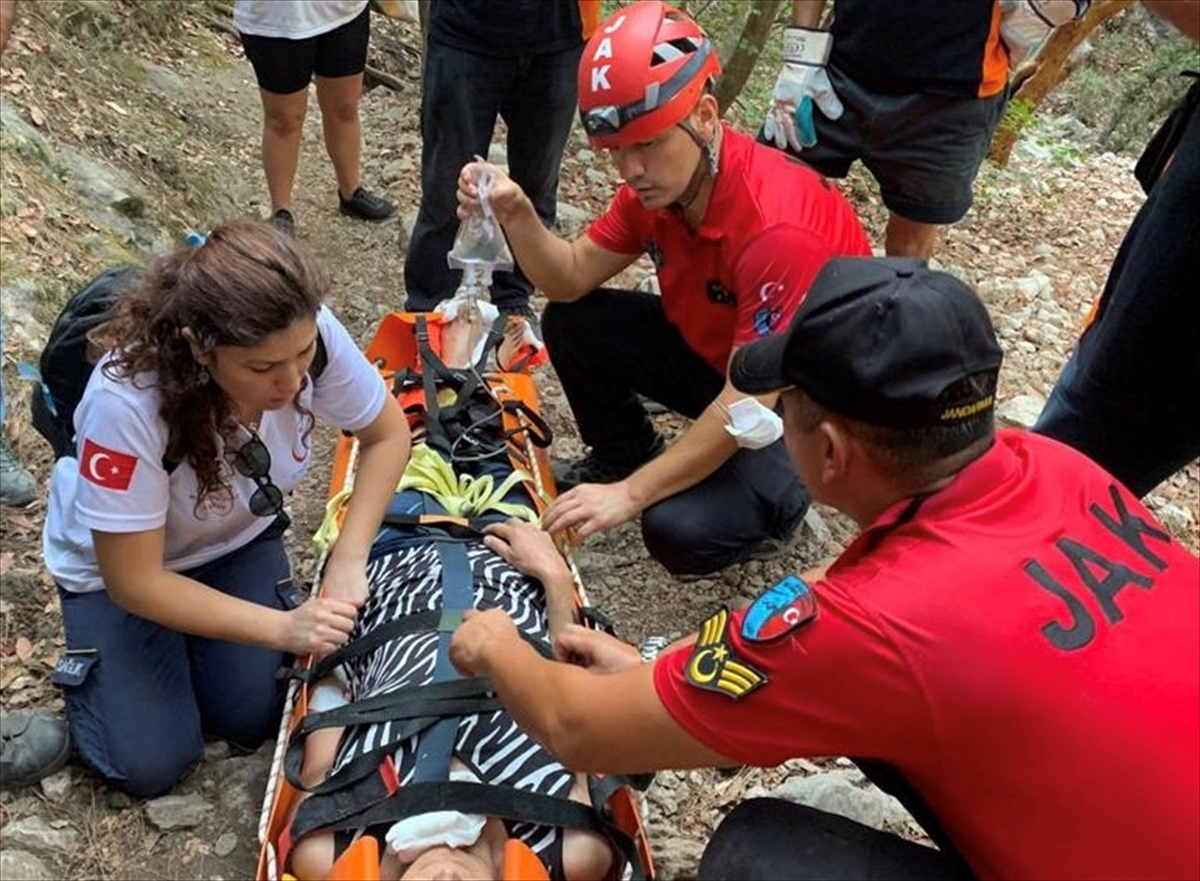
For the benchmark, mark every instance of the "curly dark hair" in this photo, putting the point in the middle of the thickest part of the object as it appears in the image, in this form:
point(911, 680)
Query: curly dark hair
point(246, 282)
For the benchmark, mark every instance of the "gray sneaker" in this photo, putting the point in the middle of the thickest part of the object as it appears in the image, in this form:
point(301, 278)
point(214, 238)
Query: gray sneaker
point(17, 486)
point(653, 407)
point(33, 745)
point(773, 548)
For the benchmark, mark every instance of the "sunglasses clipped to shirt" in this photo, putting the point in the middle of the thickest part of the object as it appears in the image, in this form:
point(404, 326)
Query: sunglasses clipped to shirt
point(252, 459)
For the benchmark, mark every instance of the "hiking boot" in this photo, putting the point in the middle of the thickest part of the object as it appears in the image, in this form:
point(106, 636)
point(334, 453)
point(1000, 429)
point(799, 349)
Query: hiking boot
point(365, 205)
point(766, 550)
point(33, 745)
point(17, 486)
point(592, 469)
point(284, 220)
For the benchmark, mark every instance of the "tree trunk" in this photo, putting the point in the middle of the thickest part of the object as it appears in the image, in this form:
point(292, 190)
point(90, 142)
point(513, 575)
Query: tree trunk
point(1034, 81)
point(745, 51)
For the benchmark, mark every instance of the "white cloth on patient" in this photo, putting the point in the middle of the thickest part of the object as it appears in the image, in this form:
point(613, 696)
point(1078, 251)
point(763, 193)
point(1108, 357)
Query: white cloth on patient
point(410, 837)
point(328, 695)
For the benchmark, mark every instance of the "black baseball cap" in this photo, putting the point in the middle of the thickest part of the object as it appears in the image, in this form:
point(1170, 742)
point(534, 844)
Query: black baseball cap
point(883, 340)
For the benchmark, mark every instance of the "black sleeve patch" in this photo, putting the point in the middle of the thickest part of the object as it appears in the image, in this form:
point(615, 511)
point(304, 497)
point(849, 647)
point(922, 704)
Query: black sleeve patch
point(713, 667)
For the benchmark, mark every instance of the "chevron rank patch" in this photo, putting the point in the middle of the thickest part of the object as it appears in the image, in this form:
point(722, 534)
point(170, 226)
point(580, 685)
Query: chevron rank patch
point(713, 667)
point(783, 608)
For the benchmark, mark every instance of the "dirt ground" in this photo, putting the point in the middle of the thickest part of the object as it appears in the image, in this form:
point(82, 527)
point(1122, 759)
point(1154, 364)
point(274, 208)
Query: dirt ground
point(1037, 245)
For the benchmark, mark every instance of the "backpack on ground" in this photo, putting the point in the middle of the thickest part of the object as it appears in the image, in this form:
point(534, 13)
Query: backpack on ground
point(67, 360)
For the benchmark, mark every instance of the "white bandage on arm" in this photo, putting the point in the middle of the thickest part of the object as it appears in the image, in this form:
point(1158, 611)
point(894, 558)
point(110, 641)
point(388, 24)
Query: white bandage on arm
point(751, 424)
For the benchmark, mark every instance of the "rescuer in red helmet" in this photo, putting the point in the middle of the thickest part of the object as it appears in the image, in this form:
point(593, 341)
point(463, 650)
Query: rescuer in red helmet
point(736, 232)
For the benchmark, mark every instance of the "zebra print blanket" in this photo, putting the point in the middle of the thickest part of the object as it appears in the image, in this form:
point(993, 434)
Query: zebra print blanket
point(407, 581)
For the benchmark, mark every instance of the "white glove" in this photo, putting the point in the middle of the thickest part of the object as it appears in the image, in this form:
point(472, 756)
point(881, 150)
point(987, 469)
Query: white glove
point(1025, 25)
point(802, 83)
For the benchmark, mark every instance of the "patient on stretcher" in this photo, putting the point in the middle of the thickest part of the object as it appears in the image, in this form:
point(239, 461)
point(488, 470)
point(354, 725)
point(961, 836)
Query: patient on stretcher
point(375, 732)
point(422, 570)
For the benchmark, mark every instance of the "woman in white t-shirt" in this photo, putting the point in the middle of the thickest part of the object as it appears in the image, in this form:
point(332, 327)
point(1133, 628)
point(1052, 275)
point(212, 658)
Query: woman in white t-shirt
point(164, 533)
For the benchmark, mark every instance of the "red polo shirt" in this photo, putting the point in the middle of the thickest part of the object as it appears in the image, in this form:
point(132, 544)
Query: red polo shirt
point(1023, 646)
point(770, 225)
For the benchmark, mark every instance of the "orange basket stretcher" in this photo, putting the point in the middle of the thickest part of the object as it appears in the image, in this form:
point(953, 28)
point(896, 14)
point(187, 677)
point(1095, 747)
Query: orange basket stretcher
point(400, 349)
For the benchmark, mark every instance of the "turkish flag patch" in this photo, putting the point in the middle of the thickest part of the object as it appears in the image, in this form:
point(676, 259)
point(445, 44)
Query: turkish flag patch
point(107, 468)
point(784, 607)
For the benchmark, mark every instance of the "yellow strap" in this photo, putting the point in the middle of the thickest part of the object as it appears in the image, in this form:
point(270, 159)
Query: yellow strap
point(461, 495)
point(327, 532)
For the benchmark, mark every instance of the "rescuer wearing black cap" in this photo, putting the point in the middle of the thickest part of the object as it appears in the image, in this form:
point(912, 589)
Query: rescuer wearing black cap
point(1007, 638)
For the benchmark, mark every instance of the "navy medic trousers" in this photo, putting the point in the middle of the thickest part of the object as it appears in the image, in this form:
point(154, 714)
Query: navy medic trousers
point(612, 345)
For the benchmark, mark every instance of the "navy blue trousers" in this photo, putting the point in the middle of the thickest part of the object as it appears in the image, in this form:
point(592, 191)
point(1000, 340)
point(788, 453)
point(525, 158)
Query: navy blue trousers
point(611, 345)
point(534, 93)
point(1121, 398)
point(140, 697)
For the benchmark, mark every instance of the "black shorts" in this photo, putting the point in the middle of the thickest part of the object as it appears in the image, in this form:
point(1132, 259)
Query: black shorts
point(285, 66)
point(924, 150)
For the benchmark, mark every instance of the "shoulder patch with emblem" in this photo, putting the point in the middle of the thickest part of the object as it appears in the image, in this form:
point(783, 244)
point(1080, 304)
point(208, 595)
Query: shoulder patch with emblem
point(712, 665)
point(784, 607)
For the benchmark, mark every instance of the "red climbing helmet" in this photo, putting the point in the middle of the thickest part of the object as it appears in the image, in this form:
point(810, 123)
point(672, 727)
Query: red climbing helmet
point(642, 72)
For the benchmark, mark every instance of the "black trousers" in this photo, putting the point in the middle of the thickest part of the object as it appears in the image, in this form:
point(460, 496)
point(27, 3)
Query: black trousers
point(1117, 398)
point(776, 840)
point(611, 345)
point(462, 95)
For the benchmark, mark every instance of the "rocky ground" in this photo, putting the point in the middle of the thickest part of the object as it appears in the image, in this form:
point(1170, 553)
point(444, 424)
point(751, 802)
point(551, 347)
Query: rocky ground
point(1037, 246)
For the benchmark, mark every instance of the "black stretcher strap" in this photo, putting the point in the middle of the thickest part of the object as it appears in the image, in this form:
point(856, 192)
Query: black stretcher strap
point(418, 622)
point(411, 710)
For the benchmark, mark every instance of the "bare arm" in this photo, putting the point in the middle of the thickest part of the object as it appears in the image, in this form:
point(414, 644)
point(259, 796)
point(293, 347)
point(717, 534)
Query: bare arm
point(585, 719)
point(702, 449)
point(590, 508)
point(562, 270)
point(806, 13)
point(560, 602)
point(384, 447)
point(532, 551)
point(1184, 14)
point(147, 589)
